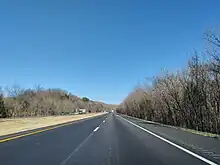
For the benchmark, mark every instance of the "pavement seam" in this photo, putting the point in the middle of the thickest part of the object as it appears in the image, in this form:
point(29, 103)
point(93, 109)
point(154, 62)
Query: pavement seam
point(171, 143)
point(77, 149)
point(80, 145)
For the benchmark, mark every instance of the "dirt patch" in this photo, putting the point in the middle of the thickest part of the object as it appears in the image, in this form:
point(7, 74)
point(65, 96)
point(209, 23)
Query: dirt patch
point(10, 126)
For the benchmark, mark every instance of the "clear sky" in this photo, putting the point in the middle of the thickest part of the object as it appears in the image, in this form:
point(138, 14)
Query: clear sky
point(96, 48)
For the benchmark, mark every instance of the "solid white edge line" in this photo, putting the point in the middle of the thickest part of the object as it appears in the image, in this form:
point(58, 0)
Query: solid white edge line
point(171, 143)
point(96, 129)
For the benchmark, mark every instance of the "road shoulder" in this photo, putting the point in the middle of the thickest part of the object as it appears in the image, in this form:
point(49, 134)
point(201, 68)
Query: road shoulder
point(205, 146)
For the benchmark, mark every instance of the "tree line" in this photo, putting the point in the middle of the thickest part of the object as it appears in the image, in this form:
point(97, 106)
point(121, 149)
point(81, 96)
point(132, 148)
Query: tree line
point(19, 102)
point(188, 98)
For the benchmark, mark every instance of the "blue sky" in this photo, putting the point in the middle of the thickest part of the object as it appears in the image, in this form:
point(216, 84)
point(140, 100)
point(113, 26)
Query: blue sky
point(99, 49)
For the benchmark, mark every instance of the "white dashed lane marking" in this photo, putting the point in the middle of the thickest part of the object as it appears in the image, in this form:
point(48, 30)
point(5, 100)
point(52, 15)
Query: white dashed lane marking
point(96, 129)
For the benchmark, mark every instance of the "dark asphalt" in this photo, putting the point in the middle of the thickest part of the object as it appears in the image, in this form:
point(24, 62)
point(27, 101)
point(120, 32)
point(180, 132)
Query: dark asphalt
point(116, 142)
point(42, 128)
point(208, 147)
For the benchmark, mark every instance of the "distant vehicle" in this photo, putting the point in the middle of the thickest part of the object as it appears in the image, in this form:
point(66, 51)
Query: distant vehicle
point(82, 111)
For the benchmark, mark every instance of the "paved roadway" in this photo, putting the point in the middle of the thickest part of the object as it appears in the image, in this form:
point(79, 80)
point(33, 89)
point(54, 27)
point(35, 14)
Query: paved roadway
point(208, 147)
point(106, 140)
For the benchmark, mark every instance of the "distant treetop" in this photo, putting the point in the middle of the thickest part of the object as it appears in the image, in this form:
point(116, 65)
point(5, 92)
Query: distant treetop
point(85, 99)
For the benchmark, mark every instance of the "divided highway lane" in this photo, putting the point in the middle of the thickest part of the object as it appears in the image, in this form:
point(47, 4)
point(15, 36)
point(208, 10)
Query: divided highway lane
point(99, 141)
point(117, 142)
point(49, 147)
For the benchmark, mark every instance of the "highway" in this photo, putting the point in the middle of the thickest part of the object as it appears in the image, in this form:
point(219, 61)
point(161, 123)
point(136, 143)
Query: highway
point(105, 140)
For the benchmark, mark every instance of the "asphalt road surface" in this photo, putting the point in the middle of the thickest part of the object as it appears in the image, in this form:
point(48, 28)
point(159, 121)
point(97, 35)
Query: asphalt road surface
point(106, 140)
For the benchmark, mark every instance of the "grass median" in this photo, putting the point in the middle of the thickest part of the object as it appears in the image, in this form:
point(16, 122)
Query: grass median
point(10, 126)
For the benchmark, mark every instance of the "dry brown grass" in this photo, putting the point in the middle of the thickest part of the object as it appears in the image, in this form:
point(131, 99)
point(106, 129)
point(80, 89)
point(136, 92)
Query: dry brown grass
point(9, 126)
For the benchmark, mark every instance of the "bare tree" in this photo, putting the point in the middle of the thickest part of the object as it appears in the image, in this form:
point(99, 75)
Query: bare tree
point(190, 98)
